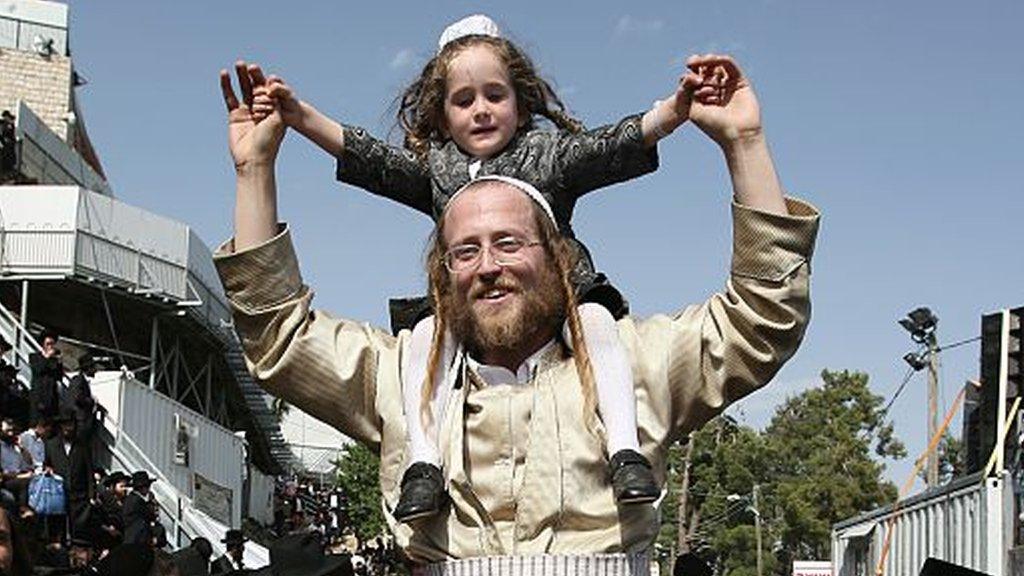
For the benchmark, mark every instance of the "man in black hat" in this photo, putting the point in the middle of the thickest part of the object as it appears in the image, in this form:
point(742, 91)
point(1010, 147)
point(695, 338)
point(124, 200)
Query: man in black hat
point(8, 376)
point(127, 559)
point(8, 145)
point(139, 511)
point(303, 555)
point(234, 541)
point(14, 397)
point(69, 455)
point(195, 559)
point(79, 398)
point(47, 372)
point(110, 510)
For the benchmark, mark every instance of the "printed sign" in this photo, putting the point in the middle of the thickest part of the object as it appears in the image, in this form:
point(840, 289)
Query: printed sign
point(811, 568)
point(212, 498)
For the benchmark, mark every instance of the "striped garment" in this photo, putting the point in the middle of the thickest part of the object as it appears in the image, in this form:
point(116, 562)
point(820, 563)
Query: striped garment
point(637, 564)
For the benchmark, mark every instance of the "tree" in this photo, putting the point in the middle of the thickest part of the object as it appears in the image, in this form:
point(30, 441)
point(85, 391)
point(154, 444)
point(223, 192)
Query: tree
point(727, 461)
point(816, 463)
point(821, 466)
point(952, 463)
point(358, 471)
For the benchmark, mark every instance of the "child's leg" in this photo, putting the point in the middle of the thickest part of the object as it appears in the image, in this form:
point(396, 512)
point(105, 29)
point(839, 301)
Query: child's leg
point(613, 377)
point(421, 447)
point(632, 478)
point(422, 485)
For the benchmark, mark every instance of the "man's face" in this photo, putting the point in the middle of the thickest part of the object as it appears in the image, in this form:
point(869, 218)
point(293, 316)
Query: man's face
point(67, 429)
point(121, 488)
point(7, 432)
point(504, 307)
point(49, 346)
point(80, 556)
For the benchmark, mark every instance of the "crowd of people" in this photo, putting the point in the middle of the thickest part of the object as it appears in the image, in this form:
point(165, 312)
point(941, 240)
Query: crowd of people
point(304, 506)
point(61, 513)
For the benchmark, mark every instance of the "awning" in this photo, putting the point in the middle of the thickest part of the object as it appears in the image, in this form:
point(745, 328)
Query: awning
point(858, 531)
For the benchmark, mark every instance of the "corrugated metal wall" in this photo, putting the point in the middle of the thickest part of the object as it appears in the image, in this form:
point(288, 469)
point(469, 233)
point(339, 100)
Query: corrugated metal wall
point(261, 496)
point(148, 418)
point(952, 526)
point(48, 158)
point(123, 242)
point(64, 230)
point(38, 231)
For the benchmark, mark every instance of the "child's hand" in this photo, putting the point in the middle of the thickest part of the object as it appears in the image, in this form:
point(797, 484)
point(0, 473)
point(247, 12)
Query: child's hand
point(275, 94)
point(723, 105)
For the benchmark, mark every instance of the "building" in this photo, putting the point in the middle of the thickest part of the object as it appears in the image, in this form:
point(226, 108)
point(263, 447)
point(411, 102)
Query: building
point(133, 286)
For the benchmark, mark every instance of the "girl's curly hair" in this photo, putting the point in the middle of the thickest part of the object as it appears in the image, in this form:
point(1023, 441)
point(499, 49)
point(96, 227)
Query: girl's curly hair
point(421, 105)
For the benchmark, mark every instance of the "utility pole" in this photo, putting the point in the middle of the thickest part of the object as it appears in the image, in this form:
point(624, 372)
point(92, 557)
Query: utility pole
point(933, 409)
point(682, 540)
point(921, 324)
point(757, 525)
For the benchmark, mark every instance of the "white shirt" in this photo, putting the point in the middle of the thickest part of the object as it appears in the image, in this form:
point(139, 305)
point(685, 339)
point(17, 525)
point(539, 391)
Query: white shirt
point(497, 375)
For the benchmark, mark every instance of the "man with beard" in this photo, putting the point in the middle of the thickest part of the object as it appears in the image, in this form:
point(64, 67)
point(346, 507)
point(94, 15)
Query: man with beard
point(69, 455)
point(523, 453)
point(47, 374)
point(110, 510)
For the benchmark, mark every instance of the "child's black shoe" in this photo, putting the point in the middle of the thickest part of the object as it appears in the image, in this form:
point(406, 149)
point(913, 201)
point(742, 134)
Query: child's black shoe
point(422, 492)
point(632, 479)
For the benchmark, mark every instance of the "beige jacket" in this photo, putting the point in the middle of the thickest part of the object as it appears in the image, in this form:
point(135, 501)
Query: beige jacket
point(526, 475)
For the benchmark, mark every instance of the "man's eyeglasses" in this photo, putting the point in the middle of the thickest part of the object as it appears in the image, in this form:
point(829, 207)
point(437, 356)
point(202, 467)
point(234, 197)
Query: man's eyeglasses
point(506, 251)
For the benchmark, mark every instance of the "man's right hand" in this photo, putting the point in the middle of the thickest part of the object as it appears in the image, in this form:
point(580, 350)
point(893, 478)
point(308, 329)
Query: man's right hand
point(250, 143)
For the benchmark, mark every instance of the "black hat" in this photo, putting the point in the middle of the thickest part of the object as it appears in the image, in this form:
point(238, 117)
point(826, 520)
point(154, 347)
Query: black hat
point(86, 361)
point(81, 542)
point(203, 546)
point(127, 559)
point(140, 479)
point(115, 477)
point(234, 537)
point(691, 565)
point(302, 555)
point(191, 562)
point(66, 414)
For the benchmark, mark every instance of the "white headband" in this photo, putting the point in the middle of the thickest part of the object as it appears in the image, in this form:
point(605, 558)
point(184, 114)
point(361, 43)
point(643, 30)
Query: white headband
point(525, 187)
point(475, 25)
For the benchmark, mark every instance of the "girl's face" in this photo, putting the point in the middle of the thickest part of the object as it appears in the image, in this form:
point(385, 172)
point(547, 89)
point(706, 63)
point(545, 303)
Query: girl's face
point(480, 108)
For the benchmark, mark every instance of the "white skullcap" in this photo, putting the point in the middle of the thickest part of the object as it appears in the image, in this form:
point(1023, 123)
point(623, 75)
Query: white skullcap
point(525, 187)
point(475, 25)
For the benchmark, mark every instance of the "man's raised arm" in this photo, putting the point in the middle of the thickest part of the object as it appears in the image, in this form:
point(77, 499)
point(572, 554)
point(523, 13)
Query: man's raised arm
point(736, 341)
point(254, 150)
point(725, 108)
point(325, 366)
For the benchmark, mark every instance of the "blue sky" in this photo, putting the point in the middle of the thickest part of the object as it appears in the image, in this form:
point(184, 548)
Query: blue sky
point(900, 121)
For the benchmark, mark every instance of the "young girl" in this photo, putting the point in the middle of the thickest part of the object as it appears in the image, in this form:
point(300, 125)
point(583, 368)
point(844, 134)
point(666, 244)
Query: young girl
point(471, 113)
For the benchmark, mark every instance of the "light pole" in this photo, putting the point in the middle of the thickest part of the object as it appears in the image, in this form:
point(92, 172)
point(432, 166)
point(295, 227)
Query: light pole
point(921, 324)
point(756, 498)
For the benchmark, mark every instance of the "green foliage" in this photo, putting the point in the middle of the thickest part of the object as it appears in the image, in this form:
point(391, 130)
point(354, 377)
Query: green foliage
point(358, 470)
point(952, 458)
point(814, 464)
point(822, 467)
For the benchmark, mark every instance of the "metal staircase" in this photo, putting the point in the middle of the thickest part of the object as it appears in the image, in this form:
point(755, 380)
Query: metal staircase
point(256, 401)
point(184, 522)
